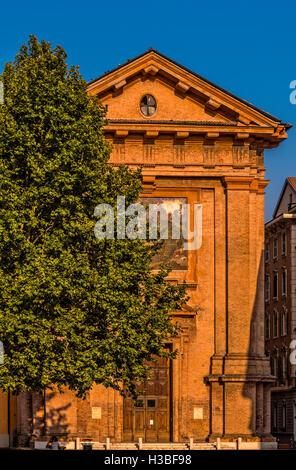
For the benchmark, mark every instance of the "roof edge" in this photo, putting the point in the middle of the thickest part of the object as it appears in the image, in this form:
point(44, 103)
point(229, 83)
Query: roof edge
point(281, 195)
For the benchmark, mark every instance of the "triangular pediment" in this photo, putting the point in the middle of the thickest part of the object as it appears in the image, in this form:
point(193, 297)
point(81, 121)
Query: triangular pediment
point(170, 105)
point(181, 95)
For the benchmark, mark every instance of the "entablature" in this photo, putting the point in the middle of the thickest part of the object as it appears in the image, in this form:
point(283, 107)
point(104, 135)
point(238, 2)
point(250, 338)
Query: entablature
point(257, 136)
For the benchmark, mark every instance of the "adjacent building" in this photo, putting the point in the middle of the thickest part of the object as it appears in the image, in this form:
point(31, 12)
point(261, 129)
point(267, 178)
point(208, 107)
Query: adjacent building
point(280, 309)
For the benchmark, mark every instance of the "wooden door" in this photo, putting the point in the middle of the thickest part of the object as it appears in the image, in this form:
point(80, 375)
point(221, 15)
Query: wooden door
point(150, 417)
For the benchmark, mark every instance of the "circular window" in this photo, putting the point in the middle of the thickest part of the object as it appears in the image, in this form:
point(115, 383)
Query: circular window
point(148, 105)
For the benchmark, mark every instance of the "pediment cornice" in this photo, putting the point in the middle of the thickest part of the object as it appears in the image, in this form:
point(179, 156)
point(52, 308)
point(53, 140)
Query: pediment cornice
point(153, 65)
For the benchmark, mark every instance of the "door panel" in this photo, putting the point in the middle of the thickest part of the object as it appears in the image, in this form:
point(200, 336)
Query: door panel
point(150, 419)
point(128, 419)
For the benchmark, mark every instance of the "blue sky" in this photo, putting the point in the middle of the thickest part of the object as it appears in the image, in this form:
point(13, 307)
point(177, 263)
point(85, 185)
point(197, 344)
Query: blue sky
point(249, 48)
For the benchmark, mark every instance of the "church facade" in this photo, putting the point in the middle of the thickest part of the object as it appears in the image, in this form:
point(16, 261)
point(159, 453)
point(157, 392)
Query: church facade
point(197, 143)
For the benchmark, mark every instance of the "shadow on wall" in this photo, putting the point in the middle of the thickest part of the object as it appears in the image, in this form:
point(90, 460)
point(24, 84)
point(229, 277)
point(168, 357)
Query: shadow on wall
point(257, 391)
point(42, 418)
point(55, 418)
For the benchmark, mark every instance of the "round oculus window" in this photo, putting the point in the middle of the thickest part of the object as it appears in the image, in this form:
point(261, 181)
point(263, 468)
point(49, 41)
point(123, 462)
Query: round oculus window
point(148, 105)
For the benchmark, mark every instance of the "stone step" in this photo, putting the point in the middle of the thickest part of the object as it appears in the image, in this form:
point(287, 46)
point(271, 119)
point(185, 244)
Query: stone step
point(159, 447)
point(155, 446)
point(203, 447)
point(231, 446)
point(115, 446)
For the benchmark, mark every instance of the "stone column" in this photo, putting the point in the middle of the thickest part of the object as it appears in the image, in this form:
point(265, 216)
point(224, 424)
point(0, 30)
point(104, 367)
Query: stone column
point(239, 310)
point(245, 342)
point(217, 410)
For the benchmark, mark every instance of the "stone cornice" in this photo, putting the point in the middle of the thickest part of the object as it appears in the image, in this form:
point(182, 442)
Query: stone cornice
point(280, 219)
point(244, 183)
point(261, 137)
point(239, 378)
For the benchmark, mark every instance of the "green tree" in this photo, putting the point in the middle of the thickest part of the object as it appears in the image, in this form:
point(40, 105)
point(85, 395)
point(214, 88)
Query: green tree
point(74, 310)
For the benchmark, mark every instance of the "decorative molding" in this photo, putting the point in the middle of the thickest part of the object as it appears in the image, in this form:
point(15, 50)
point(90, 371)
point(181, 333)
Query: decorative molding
point(182, 87)
point(208, 154)
point(240, 154)
point(212, 135)
point(117, 86)
point(179, 155)
point(182, 134)
point(237, 182)
point(121, 133)
point(152, 134)
point(148, 183)
point(149, 154)
point(212, 105)
point(150, 70)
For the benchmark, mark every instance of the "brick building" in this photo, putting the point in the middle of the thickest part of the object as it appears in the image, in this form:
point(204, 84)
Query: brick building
point(8, 419)
point(197, 143)
point(280, 309)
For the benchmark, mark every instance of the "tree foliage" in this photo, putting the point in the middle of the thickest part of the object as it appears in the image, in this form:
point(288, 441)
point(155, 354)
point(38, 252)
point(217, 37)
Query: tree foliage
point(74, 310)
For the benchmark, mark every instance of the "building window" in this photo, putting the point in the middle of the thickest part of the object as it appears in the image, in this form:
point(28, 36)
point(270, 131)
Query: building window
point(283, 323)
point(274, 362)
point(274, 416)
point(267, 353)
point(284, 282)
point(284, 243)
point(284, 415)
point(148, 105)
point(275, 324)
point(275, 248)
point(267, 326)
point(280, 370)
point(267, 288)
point(266, 252)
point(275, 368)
point(284, 367)
point(275, 285)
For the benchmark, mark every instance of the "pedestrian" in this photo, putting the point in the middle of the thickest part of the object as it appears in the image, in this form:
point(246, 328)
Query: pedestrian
point(53, 443)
